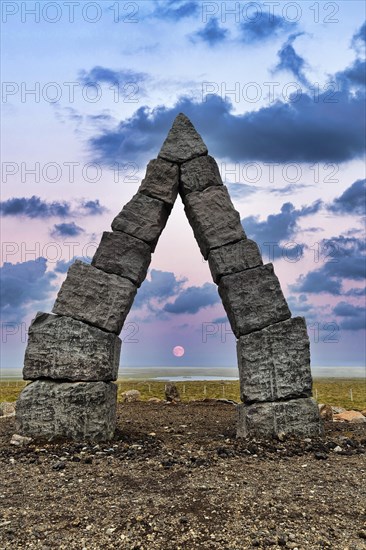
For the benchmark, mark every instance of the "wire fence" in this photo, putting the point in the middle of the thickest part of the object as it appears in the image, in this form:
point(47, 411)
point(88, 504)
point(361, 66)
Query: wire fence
point(347, 393)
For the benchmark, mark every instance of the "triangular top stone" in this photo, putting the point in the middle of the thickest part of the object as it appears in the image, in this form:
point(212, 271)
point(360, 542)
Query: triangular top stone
point(183, 142)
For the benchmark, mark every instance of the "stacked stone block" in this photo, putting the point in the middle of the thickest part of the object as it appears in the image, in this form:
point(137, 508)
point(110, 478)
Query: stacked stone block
point(73, 356)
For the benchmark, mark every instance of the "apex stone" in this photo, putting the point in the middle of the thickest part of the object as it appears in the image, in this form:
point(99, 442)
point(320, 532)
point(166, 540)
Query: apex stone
point(183, 142)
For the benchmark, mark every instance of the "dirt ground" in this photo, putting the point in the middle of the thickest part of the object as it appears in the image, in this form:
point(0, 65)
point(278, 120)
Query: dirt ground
point(176, 478)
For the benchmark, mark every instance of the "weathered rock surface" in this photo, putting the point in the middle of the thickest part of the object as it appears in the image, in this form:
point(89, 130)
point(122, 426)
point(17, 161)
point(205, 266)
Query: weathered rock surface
point(337, 410)
point(183, 142)
point(213, 218)
point(171, 392)
point(161, 181)
point(123, 255)
point(20, 440)
point(101, 299)
point(233, 258)
point(198, 174)
point(253, 299)
point(7, 408)
point(65, 349)
point(130, 396)
point(299, 417)
point(326, 412)
point(274, 363)
point(74, 410)
point(355, 417)
point(142, 217)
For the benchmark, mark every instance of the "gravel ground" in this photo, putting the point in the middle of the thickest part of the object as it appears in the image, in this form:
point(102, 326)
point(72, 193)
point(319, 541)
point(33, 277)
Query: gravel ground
point(176, 478)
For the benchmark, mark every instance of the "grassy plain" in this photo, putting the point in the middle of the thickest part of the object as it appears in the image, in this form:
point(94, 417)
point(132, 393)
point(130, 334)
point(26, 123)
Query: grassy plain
point(349, 393)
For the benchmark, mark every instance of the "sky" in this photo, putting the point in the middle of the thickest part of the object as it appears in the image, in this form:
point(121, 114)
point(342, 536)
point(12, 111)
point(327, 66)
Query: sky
point(277, 91)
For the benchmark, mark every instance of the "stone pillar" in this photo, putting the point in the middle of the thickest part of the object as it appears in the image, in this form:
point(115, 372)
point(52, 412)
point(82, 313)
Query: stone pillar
point(72, 357)
point(272, 348)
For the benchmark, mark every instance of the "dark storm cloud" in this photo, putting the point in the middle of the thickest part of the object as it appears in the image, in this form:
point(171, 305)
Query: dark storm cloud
point(262, 25)
point(35, 207)
point(211, 33)
point(161, 286)
point(289, 189)
point(175, 10)
point(353, 317)
point(315, 282)
point(352, 200)
point(291, 61)
point(194, 298)
point(360, 35)
point(278, 227)
point(69, 229)
point(92, 208)
point(344, 261)
point(22, 284)
point(105, 75)
point(302, 130)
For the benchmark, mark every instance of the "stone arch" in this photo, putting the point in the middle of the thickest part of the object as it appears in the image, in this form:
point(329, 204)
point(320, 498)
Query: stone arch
point(72, 356)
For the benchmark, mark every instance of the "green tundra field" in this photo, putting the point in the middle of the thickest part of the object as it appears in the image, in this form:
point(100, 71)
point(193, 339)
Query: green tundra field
point(349, 393)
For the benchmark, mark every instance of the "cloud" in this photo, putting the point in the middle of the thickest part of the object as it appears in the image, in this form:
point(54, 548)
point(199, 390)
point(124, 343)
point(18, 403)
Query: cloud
point(24, 284)
point(356, 292)
point(241, 190)
point(354, 75)
point(92, 208)
point(278, 227)
point(211, 33)
point(330, 129)
point(35, 207)
point(263, 25)
point(161, 286)
point(354, 316)
point(194, 298)
point(316, 283)
point(290, 61)
point(359, 36)
point(346, 262)
point(352, 200)
point(105, 75)
point(300, 306)
point(66, 230)
point(289, 189)
point(175, 10)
